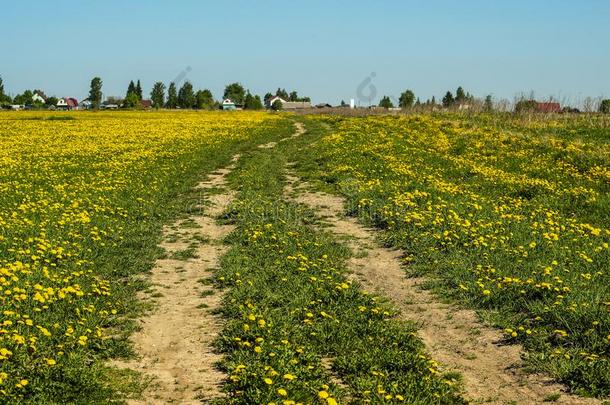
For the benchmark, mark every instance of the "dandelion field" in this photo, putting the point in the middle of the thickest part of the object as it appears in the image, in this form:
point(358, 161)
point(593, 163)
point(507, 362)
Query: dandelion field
point(82, 199)
point(507, 215)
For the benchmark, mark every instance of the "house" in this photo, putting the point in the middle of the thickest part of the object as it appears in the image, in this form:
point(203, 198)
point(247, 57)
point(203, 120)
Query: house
point(39, 97)
point(86, 105)
point(109, 107)
point(228, 105)
point(67, 103)
point(274, 99)
point(548, 107)
point(17, 107)
point(323, 105)
point(146, 104)
point(289, 105)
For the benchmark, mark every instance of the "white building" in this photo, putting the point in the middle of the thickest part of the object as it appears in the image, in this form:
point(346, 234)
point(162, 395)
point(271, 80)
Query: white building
point(228, 105)
point(289, 105)
point(38, 98)
point(67, 103)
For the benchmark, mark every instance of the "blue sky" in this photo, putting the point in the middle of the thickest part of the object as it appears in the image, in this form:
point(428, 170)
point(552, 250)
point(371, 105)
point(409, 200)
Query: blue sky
point(324, 49)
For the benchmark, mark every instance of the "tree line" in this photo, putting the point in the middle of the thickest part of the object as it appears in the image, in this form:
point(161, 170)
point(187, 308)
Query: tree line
point(186, 97)
point(408, 100)
point(161, 96)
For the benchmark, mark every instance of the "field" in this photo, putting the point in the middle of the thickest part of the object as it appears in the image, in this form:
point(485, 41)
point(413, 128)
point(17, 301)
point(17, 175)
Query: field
point(510, 217)
point(81, 204)
point(504, 215)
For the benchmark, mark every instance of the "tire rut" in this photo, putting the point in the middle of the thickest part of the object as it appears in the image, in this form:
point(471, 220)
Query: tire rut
point(492, 373)
point(175, 342)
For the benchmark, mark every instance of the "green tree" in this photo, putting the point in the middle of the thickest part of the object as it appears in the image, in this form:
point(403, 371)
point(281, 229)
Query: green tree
point(448, 100)
point(258, 103)
point(172, 96)
point(51, 101)
point(604, 107)
point(252, 102)
point(157, 95)
point(248, 100)
point(131, 101)
point(386, 102)
point(268, 97)
point(95, 92)
point(186, 96)
point(294, 96)
point(4, 98)
point(131, 89)
point(460, 95)
point(489, 105)
point(235, 92)
point(205, 99)
point(25, 98)
point(406, 99)
point(139, 90)
point(433, 102)
point(282, 93)
point(277, 105)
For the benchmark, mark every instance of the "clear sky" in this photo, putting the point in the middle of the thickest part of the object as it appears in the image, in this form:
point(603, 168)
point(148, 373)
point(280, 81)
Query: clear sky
point(324, 49)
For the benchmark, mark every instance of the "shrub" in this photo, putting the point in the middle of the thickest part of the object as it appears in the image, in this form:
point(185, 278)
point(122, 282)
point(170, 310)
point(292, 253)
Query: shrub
point(277, 105)
point(526, 106)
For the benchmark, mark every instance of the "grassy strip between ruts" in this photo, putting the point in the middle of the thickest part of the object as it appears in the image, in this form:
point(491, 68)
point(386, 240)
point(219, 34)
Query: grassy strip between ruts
point(291, 311)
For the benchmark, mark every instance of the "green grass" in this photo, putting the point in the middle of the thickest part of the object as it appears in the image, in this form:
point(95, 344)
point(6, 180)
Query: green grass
point(290, 309)
point(507, 215)
point(131, 231)
point(554, 397)
point(185, 254)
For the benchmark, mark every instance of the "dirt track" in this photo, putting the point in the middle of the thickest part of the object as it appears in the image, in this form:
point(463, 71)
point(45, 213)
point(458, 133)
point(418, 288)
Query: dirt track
point(175, 342)
point(492, 373)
